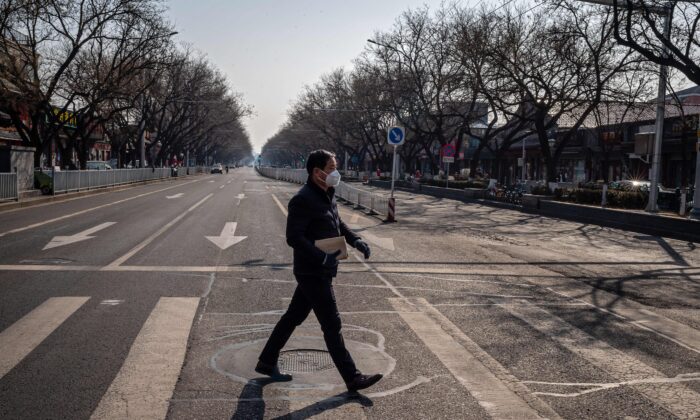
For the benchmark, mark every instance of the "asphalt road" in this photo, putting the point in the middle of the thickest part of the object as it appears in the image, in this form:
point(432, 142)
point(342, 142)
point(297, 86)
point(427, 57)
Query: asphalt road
point(153, 302)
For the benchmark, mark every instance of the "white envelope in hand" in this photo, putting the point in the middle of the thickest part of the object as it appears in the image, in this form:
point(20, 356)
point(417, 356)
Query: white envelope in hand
point(331, 245)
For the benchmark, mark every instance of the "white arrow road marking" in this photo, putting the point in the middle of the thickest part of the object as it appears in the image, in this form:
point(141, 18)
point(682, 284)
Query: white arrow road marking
point(240, 196)
point(66, 240)
point(178, 195)
point(227, 237)
point(386, 243)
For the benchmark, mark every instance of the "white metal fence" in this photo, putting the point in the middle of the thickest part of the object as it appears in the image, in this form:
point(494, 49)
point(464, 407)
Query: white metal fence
point(375, 203)
point(69, 181)
point(8, 186)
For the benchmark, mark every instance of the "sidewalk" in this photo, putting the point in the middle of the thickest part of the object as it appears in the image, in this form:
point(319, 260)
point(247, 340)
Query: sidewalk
point(661, 224)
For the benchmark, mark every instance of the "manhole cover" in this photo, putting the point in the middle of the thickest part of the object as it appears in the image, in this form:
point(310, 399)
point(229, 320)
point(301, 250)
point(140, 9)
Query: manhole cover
point(305, 360)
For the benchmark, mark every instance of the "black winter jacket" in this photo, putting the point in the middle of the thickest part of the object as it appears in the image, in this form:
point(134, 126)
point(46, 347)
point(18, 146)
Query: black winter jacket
point(313, 214)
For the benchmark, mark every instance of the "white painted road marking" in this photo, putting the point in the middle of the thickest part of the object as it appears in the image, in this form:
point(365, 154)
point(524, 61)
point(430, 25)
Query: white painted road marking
point(637, 315)
point(124, 268)
point(467, 366)
point(284, 211)
point(46, 222)
point(146, 380)
point(81, 236)
point(386, 243)
point(178, 195)
point(240, 196)
point(119, 261)
point(222, 187)
point(228, 237)
point(17, 341)
point(112, 302)
point(674, 397)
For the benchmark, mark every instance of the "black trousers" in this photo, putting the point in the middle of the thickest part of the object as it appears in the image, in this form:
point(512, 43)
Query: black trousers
point(312, 293)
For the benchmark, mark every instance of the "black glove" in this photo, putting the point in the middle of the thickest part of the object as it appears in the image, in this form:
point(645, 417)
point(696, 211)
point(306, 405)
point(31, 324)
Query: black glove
point(362, 246)
point(331, 260)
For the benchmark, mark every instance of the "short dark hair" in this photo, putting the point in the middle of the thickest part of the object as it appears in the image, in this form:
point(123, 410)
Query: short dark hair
point(318, 159)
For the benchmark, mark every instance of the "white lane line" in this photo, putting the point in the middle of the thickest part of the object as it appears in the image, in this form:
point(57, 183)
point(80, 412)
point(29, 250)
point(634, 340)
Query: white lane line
point(221, 187)
point(134, 268)
point(390, 286)
point(496, 390)
point(171, 197)
point(284, 211)
point(112, 302)
point(160, 231)
point(146, 381)
point(18, 340)
point(681, 334)
point(391, 268)
point(458, 280)
point(674, 397)
point(78, 237)
point(78, 213)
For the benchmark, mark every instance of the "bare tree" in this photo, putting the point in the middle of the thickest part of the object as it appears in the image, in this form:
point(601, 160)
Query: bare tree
point(48, 38)
point(639, 25)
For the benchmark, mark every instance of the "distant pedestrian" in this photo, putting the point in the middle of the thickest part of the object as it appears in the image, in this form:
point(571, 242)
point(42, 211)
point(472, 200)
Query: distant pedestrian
point(313, 215)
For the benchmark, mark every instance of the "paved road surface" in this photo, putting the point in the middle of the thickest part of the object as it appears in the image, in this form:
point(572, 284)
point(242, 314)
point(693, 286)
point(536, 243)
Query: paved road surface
point(153, 302)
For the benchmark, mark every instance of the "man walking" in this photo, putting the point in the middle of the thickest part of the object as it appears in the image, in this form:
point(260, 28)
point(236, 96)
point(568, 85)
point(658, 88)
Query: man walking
point(313, 215)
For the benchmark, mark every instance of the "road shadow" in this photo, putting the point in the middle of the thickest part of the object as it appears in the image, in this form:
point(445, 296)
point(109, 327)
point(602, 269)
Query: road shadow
point(329, 403)
point(251, 404)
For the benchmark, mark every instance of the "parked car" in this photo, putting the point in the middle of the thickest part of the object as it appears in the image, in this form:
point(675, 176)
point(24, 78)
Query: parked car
point(43, 180)
point(217, 169)
point(97, 165)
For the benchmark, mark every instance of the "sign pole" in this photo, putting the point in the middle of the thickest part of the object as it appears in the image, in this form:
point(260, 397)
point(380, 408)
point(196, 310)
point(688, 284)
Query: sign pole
point(393, 172)
point(447, 176)
point(395, 136)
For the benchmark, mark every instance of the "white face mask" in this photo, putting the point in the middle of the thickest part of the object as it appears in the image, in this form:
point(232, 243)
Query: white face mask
point(333, 178)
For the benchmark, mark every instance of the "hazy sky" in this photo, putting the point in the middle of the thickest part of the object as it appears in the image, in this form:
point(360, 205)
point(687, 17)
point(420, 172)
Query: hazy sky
point(271, 48)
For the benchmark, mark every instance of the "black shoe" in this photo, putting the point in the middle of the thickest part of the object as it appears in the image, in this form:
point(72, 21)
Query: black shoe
point(272, 371)
point(363, 381)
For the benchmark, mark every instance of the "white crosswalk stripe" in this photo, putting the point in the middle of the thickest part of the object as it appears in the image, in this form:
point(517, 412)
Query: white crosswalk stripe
point(147, 379)
point(145, 382)
point(17, 341)
point(485, 379)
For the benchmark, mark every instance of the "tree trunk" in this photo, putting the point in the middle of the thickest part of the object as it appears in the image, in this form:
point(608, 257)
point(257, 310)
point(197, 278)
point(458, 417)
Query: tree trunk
point(475, 160)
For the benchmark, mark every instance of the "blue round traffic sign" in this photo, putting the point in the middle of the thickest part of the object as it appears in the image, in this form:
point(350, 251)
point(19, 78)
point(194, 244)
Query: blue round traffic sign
point(396, 136)
point(448, 150)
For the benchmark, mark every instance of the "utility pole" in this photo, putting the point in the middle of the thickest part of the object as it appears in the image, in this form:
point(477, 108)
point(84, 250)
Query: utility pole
point(652, 206)
point(695, 212)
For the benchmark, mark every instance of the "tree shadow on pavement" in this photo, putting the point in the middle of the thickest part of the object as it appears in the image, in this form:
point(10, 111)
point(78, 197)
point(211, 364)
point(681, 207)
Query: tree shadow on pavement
point(329, 403)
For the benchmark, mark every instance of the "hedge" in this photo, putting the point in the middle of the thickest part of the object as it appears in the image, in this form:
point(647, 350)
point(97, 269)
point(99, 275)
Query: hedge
point(615, 198)
point(457, 184)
